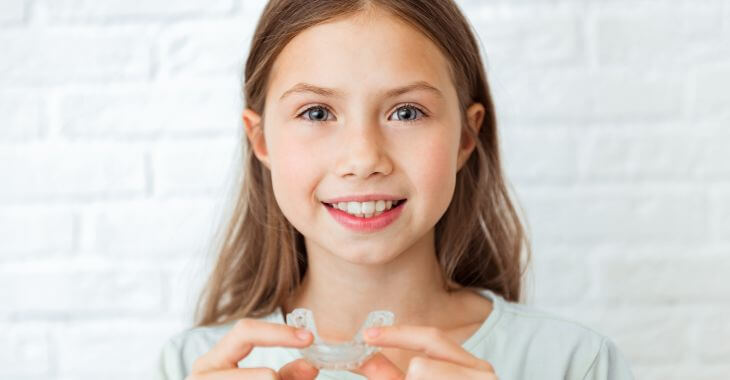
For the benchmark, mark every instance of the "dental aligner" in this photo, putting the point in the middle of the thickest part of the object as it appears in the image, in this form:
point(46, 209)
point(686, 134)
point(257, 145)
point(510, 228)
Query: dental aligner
point(347, 355)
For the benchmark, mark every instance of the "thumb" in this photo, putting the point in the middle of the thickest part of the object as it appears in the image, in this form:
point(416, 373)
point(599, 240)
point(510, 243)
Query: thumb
point(378, 367)
point(298, 370)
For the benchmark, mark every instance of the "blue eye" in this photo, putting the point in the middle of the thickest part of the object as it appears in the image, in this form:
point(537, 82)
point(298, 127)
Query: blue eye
point(405, 113)
point(315, 114)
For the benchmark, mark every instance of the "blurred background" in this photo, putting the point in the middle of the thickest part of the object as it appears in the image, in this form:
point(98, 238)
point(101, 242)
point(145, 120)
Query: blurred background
point(119, 140)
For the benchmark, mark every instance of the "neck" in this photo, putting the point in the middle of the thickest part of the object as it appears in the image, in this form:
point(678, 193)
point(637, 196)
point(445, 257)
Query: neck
point(341, 293)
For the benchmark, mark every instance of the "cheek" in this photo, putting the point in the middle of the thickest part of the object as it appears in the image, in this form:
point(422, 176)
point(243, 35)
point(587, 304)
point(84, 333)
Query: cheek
point(293, 178)
point(433, 169)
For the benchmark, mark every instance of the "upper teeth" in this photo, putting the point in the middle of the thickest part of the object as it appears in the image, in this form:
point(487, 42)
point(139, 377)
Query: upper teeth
point(365, 209)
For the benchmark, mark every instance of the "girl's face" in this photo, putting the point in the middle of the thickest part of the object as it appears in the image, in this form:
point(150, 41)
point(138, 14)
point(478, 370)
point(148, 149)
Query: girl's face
point(337, 126)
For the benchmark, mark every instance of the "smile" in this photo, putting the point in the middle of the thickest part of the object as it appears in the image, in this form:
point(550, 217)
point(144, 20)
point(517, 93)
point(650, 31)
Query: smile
point(366, 216)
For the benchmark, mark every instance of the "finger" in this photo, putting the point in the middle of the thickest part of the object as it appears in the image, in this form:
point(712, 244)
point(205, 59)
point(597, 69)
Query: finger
point(237, 374)
point(420, 368)
point(429, 340)
point(378, 367)
point(240, 340)
point(298, 370)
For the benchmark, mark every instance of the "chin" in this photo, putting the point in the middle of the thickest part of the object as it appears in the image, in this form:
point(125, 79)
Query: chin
point(367, 256)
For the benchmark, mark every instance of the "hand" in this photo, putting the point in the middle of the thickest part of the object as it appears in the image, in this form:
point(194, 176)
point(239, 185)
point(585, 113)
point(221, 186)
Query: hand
point(445, 359)
point(221, 362)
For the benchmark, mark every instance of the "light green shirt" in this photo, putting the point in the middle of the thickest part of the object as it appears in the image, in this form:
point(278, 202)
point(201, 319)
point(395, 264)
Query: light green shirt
point(521, 342)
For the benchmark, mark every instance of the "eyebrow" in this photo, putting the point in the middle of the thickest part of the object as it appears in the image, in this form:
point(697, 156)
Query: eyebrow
point(331, 92)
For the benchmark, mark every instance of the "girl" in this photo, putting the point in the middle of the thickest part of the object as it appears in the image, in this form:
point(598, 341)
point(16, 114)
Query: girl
point(373, 181)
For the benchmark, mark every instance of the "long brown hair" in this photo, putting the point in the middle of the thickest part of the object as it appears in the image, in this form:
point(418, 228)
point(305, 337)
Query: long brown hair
point(479, 239)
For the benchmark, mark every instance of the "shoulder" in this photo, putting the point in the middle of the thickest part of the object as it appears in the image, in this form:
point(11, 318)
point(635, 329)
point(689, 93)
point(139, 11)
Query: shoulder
point(530, 323)
point(535, 323)
point(530, 341)
point(182, 349)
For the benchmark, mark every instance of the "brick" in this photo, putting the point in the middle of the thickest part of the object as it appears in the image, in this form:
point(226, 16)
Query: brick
point(667, 279)
point(578, 96)
point(539, 155)
point(711, 98)
point(13, 11)
point(58, 288)
point(719, 214)
point(186, 280)
point(151, 229)
point(202, 49)
point(713, 162)
point(659, 34)
point(58, 170)
point(610, 156)
point(74, 56)
point(594, 215)
point(527, 36)
point(24, 116)
point(712, 338)
point(115, 347)
point(33, 231)
point(191, 109)
point(118, 10)
point(25, 350)
point(195, 167)
point(606, 156)
point(559, 278)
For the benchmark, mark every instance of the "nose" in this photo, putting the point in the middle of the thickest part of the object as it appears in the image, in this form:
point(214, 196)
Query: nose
point(363, 153)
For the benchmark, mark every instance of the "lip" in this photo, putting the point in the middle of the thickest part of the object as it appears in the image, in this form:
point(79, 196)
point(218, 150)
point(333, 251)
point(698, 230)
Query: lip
point(363, 198)
point(372, 224)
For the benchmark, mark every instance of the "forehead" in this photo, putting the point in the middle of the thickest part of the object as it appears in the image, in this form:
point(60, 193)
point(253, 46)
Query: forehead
point(364, 53)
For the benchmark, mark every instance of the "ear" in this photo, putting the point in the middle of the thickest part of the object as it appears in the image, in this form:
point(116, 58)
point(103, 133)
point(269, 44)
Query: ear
point(474, 119)
point(255, 134)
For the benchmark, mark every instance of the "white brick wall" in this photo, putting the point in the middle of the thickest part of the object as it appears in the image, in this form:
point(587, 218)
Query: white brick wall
point(120, 121)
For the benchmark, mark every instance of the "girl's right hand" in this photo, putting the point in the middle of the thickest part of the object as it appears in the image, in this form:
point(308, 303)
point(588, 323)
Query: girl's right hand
point(221, 362)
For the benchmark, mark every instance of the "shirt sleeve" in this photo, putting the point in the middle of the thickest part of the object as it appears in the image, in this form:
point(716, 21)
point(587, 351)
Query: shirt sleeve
point(170, 364)
point(609, 364)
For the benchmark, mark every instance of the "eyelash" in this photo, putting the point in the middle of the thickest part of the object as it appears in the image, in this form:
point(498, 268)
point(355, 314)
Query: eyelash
point(405, 105)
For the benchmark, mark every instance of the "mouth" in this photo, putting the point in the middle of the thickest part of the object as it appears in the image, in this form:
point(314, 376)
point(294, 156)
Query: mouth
point(366, 217)
point(366, 210)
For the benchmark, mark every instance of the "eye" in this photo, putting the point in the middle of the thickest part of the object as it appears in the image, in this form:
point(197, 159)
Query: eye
point(407, 113)
point(315, 114)
point(318, 113)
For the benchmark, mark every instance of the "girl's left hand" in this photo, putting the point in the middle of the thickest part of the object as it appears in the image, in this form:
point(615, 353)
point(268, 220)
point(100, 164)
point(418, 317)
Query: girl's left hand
point(445, 359)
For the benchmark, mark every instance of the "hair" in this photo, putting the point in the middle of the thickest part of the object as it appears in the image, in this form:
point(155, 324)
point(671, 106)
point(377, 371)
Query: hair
point(479, 239)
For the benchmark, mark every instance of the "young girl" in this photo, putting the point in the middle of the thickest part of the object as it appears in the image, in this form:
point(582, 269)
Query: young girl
point(373, 182)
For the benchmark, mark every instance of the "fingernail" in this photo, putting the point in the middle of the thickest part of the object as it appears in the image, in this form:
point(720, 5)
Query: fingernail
point(302, 334)
point(372, 332)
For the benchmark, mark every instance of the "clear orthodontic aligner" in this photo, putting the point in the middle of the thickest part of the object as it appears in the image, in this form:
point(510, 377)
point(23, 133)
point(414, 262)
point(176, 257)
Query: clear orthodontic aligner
point(346, 355)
